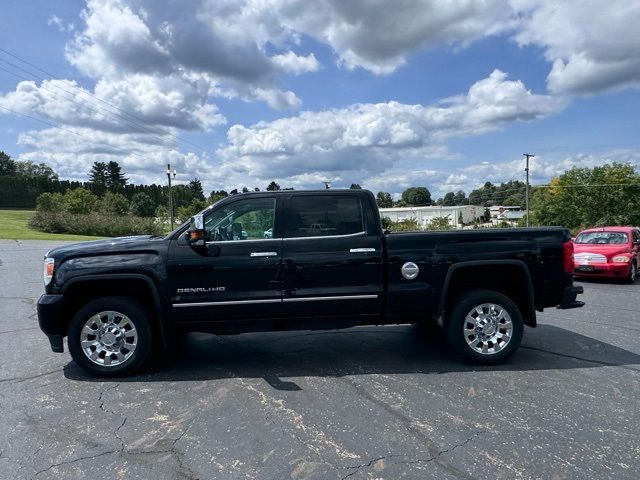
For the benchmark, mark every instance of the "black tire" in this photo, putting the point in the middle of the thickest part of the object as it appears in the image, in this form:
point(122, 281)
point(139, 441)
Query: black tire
point(455, 325)
point(136, 315)
point(633, 272)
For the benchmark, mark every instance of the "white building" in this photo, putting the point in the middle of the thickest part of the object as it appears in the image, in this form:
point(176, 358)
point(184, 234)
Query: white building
point(423, 215)
point(500, 211)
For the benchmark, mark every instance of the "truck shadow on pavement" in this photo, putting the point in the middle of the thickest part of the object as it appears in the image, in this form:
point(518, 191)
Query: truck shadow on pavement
point(362, 351)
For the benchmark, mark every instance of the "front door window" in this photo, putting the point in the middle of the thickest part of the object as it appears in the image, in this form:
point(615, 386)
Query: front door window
point(249, 219)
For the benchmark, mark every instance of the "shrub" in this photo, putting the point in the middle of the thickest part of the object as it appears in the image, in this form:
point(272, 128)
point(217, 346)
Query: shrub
point(50, 202)
point(114, 204)
point(440, 223)
point(80, 200)
point(408, 225)
point(142, 205)
point(97, 224)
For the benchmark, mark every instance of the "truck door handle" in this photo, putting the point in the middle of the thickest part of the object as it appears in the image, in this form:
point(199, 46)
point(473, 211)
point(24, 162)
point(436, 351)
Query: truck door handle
point(264, 254)
point(362, 250)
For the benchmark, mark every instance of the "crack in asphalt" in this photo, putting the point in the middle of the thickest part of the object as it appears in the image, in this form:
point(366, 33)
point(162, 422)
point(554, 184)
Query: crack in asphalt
point(583, 359)
point(411, 462)
point(18, 330)
point(30, 377)
point(102, 402)
point(408, 424)
point(123, 447)
point(190, 474)
point(69, 462)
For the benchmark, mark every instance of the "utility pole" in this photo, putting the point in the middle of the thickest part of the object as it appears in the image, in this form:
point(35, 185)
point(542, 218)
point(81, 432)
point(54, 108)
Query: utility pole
point(526, 190)
point(169, 173)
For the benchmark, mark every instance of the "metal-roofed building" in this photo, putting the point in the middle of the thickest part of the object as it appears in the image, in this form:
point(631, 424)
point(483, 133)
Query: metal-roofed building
point(423, 215)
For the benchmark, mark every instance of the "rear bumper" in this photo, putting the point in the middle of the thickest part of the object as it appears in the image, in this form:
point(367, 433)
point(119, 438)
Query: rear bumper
point(569, 298)
point(51, 321)
point(614, 270)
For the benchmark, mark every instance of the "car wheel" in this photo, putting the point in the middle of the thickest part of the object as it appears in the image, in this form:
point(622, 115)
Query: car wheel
point(110, 337)
point(633, 273)
point(485, 327)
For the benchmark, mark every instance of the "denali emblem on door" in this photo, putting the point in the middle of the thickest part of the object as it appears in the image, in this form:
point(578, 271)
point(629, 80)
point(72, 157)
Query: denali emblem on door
point(409, 270)
point(201, 290)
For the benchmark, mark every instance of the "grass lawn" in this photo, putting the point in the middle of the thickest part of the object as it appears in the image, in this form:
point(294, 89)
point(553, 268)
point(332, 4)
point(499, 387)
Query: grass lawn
point(13, 226)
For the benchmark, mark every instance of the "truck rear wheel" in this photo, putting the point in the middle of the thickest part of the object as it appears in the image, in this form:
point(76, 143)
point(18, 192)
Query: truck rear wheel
point(484, 326)
point(110, 337)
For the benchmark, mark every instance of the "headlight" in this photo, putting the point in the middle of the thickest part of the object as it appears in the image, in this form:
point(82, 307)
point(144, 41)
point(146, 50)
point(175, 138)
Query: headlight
point(620, 259)
point(48, 270)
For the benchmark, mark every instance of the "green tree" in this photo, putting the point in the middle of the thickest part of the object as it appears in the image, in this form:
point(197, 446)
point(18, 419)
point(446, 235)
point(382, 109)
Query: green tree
point(114, 203)
point(416, 196)
point(187, 211)
point(515, 199)
point(584, 197)
point(196, 189)
point(355, 186)
point(80, 200)
point(449, 199)
point(384, 200)
point(490, 194)
point(216, 195)
point(50, 202)
point(142, 205)
point(42, 171)
point(98, 174)
point(273, 186)
point(7, 165)
point(115, 178)
point(460, 198)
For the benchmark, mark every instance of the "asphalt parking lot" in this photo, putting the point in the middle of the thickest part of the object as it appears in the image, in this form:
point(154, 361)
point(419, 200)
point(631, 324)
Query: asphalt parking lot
point(376, 402)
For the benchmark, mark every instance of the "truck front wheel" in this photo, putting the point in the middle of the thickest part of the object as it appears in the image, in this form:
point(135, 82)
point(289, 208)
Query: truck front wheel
point(484, 326)
point(110, 337)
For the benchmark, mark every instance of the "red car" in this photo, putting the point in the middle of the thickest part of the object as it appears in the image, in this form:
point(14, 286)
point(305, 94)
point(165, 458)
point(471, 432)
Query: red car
point(607, 252)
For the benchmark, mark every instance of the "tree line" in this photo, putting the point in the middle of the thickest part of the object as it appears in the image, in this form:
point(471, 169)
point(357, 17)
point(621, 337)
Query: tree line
point(608, 194)
point(510, 193)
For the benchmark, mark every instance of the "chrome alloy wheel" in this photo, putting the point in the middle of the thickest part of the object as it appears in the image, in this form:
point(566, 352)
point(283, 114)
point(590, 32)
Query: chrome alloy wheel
point(488, 328)
point(108, 338)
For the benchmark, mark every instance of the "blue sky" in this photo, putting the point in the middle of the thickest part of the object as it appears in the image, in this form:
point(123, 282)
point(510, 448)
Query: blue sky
point(445, 94)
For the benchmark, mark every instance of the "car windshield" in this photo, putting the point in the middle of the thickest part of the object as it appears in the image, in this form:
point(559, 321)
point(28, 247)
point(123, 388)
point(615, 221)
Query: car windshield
point(603, 238)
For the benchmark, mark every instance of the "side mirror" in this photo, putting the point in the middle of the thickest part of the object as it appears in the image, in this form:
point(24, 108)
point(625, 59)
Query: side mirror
point(196, 235)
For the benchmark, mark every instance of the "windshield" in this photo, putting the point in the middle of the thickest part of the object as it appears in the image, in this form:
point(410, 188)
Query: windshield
point(603, 238)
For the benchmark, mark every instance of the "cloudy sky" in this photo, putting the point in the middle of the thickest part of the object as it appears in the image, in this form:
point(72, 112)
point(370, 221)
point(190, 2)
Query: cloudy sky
point(389, 94)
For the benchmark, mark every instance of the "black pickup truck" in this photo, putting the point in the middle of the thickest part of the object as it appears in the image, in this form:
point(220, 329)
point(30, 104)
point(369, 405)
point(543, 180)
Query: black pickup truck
point(286, 260)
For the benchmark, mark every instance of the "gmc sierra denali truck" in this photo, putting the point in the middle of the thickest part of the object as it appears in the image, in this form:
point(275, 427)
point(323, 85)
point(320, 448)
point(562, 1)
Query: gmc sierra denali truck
point(325, 263)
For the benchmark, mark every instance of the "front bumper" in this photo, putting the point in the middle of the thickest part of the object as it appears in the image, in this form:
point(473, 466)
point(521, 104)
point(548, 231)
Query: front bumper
point(51, 322)
point(569, 298)
point(603, 269)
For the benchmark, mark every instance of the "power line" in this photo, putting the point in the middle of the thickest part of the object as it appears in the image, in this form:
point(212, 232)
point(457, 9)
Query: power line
point(128, 152)
point(84, 103)
point(590, 185)
point(176, 137)
point(80, 103)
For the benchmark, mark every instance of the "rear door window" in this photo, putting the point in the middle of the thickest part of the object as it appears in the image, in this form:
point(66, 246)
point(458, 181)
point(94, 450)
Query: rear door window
point(323, 216)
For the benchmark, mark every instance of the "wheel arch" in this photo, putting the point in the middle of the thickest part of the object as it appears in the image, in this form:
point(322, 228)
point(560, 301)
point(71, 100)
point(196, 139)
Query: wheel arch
point(79, 291)
point(516, 284)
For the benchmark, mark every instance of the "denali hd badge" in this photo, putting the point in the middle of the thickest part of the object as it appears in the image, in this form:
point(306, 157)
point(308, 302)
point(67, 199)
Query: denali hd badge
point(201, 290)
